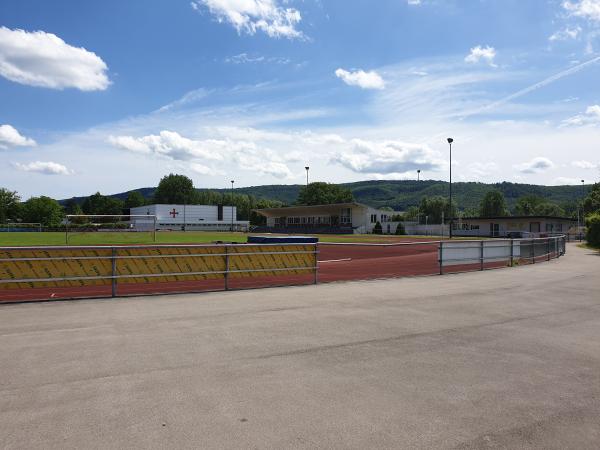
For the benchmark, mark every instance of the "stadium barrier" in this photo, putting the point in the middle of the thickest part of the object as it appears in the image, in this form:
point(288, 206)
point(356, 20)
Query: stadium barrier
point(76, 272)
point(45, 273)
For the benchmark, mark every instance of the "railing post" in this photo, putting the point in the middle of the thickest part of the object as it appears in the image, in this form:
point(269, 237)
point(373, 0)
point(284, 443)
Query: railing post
point(114, 272)
point(226, 268)
point(481, 255)
point(441, 257)
point(533, 251)
point(512, 253)
point(316, 263)
point(548, 248)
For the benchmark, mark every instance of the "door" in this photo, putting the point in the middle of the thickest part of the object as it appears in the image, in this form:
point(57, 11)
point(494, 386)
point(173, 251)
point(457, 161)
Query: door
point(494, 229)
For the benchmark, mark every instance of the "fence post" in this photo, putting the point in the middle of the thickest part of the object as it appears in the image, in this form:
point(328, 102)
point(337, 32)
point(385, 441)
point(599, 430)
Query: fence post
point(548, 247)
point(226, 268)
point(441, 257)
point(114, 272)
point(533, 251)
point(481, 255)
point(512, 253)
point(316, 263)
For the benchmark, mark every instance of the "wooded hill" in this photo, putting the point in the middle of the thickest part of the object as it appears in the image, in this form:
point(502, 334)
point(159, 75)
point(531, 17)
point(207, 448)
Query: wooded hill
point(400, 195)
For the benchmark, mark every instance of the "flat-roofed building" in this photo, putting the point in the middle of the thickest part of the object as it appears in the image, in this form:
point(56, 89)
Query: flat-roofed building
point(335, 218)
point(190, 217)
point(512, 226)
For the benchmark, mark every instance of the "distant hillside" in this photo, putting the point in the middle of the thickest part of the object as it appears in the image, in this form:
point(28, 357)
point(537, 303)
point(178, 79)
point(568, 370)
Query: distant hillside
point(399, 195)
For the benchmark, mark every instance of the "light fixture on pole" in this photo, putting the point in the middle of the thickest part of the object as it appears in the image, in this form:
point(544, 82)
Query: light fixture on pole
point(307, 174)
point(232, 205)
point(418, 175)
point(450, 141)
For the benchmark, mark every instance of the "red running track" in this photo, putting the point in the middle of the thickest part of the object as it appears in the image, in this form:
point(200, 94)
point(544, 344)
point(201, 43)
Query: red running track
point(336, 263)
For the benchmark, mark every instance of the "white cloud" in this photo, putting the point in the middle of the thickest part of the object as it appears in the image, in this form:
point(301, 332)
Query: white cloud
point(586, 9)
point(536, 165)
point(479, 53)
point(245, 58)
point(413, 2)
point(45, 60)
point(482, 169)
point(591, 116)
point(566, 180)
point(250, 16)
point(566, 34)
point(360, 78)
point(10, 137)
point(44, 167)
point(170, 144)
point(387, 157)
point(582, 164)
point(245, 154)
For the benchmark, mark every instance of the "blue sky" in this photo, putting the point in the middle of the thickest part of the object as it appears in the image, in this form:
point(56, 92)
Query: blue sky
point(112, 95)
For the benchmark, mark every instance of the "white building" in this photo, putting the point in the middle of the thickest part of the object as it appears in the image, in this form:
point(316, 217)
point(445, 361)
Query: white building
point(336, 218)
point(190, 217)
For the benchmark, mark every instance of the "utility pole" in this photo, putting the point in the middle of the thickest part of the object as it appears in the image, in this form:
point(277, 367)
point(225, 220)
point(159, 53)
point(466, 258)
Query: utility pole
point(450, 141)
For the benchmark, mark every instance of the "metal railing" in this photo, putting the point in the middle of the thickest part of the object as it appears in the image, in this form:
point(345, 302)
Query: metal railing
point(224, 263)
point(153, 268)
point(500, 250)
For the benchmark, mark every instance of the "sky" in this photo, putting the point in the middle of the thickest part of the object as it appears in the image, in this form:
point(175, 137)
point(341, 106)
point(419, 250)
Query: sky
point(111, 96)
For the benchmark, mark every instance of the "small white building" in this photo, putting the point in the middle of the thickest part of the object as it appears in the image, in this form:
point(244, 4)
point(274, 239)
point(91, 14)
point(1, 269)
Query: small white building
point(335, 218)
point(512, 226)
point(190, 217)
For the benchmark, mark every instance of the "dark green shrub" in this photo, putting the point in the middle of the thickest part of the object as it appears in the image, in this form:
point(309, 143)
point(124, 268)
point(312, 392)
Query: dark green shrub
point(593, 230)
point(377, 229)
point(400, 229)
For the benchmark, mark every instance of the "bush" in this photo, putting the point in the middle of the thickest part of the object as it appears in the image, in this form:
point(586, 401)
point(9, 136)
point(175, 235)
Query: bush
point(377, 229)
point(593, 230)
point(400, 229)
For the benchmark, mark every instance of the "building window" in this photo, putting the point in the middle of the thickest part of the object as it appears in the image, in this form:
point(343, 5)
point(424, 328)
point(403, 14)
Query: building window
point(346, 216)
point(373, 218)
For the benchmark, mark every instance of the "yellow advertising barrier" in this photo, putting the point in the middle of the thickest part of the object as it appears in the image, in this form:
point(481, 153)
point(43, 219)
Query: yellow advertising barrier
point(94, 266)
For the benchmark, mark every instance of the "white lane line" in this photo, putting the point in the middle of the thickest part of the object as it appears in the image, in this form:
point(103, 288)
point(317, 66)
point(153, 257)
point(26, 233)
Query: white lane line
point(335, 260)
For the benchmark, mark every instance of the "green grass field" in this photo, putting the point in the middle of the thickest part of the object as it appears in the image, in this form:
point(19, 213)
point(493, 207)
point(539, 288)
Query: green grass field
point(167, 237)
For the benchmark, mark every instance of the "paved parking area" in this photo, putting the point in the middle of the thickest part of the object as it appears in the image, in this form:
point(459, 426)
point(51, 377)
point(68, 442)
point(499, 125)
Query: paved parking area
point(505, 358)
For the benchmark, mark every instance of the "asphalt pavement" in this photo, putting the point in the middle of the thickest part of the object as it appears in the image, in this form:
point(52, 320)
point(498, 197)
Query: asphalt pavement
point(506, 358)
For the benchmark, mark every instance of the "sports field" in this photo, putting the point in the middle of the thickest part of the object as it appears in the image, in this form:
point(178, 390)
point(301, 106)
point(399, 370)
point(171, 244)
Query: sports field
point(172, 237)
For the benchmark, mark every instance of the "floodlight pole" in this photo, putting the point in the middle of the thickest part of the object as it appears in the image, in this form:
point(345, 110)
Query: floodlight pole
point(450, 141)
point(232, 181)
point(418, 175)
point(307, 167)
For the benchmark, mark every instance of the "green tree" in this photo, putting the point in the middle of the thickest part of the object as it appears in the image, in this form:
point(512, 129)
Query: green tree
point(591, 203)
point(593, 229)
point(493, 204)
point(377, 229)
point(400, 229)
point(549, 209)
point(9, 205)
point(99, 204)
point(433, 207)
point(527, 205)
point(44, 210)
point(175, 189)
point(134, 199)
point(72, 207)
point(320, 193)
point(412, 213)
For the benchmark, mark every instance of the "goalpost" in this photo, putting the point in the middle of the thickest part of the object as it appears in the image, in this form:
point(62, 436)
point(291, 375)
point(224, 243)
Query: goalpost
point(20, 226)
point(125, 223)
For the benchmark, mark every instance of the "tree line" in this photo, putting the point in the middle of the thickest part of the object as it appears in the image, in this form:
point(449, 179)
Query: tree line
point(179, 189)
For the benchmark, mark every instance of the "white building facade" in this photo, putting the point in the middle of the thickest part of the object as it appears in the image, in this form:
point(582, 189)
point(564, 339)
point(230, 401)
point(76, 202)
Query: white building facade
point(336, 218)
point(190, 217)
